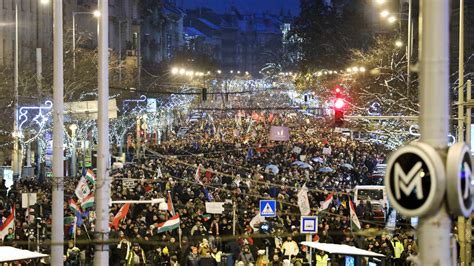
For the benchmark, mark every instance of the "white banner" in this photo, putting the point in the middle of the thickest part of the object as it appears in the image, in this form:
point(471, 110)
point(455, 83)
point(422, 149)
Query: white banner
point(28, 199)
point(129, 183)
point(327, 151)
point(215, 207)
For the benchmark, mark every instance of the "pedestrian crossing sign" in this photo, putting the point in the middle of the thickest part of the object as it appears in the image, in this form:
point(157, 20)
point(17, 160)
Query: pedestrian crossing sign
point(267, 208)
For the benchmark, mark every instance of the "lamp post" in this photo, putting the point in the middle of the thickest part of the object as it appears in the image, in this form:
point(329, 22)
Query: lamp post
point(96, 14)
point(120, 49)
point(73, 129)
point(16, 149)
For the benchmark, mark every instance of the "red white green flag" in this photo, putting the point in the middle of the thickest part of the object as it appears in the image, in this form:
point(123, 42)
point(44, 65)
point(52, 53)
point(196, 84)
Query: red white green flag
point(171, 224)
point(355, 224)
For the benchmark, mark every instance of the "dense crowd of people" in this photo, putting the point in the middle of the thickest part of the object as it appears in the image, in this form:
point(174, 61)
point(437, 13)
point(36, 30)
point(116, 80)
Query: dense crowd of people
point(226, 158)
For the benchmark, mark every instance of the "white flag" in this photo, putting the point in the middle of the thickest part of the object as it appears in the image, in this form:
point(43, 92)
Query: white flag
point(82, 189)
point(303, 201)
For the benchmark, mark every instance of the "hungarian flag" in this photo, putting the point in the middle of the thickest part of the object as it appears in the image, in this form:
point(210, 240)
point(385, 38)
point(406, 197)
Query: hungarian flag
point(74, 207)
point(82, 189)
point(325, 204)
point(355, 224)
point(88, 201)
point(170, 204)
point(171, 224)
point(122, 213)
point(90, 176)
point(8, 223)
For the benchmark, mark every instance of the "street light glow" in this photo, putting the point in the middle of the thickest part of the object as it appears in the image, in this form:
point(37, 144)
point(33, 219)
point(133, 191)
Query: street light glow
point(380, 2)
point(362, 69)
point(399, 43)
point(355, 69)
point(182, 71)
point(219, 71)
point(44, 2)
point(174, 71)
point(384, 13)
point(96, 13)
point(392, 19)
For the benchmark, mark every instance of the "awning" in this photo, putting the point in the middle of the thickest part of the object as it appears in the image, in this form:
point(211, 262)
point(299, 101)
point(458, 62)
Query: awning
point(15, 254)
point(341, 249)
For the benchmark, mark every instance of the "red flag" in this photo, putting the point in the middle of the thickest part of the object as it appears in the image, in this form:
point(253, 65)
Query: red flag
point(170, 204)
point(270, 118)
point(122, 213)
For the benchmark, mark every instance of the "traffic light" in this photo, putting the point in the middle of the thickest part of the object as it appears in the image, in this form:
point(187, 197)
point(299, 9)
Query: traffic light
point(339, 105)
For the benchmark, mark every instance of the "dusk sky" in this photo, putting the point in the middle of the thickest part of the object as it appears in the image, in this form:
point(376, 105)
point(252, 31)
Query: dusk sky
point(246, 6)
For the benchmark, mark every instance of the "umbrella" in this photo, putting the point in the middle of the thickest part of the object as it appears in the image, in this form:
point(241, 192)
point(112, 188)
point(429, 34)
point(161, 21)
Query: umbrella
point(302, 165)
point(348, 166)
point(326, 170)
point(273, 168)
point(318, 160)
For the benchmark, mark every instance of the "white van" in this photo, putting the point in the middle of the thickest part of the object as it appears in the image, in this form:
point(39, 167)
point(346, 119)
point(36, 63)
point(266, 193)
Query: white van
point(376, 195)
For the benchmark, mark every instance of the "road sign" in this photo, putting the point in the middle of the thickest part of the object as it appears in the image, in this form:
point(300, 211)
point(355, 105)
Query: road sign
point(413, 180)
point(267, 208)
point(309, 224)
point(459, 175)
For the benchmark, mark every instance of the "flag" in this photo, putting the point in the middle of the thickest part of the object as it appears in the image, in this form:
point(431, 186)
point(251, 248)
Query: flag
point(325, 204)
point(158, 173)
point(90, 176)
point(88, 201)
point(206, 217)
point(169, 225)
point(8, 223)
point(355, 224)
point(72, 229)
point(208, 195)
point(68, 220)
point(270, 118)
point(122, 213)
point(82, 189)
point(74, 207)
point(303, 201)
point(250, 154)
point(170, 204)
point(197, 175)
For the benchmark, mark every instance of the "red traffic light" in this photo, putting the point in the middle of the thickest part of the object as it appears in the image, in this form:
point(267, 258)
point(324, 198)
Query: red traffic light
point(339, 103)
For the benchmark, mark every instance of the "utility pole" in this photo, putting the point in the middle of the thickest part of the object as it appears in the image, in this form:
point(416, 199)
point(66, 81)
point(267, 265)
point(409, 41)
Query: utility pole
point(103, 154)
point(468, 223)
point(57, 235)
point(434, 229)
point(16, 162)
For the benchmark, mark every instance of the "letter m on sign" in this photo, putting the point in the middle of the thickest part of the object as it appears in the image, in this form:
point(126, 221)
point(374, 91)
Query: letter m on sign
point(407, 182)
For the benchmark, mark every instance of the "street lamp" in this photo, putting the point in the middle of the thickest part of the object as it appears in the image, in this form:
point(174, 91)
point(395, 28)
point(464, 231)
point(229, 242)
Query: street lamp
point(384, 13)
point(380, 2)
point(174, 71)
point(392, 19)
point(96, 14)
point(398, 43)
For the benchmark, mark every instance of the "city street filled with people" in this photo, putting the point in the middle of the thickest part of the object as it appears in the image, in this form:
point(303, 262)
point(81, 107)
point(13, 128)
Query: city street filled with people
point(226, 158)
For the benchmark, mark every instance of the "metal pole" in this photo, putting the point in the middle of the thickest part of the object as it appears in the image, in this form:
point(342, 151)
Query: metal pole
point(73, 152)
point(434, 230)
point(74, 40)
point(461, 74)
point(468, 222)
point(409, 47)
point(16, 148)
point(234, 217)
point(57, 234)
point(103, 182)
point(39, 72)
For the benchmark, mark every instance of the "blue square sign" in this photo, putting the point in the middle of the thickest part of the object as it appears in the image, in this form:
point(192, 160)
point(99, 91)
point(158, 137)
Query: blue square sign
point(309, 225)
point(267, 208)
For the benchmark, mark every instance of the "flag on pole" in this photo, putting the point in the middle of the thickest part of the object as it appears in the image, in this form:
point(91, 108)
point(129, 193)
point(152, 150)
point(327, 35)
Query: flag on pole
point(325, 204)
point(88, 201)
point(122, 213)
point(74, 207)
point(90, 176)
point(158, 173)
point(8, 223)
point(303, 201)
point(355, 224)
point(197, 175)
point(208, 195)
point(169, 225)
point(170, 204)
point(82, 189)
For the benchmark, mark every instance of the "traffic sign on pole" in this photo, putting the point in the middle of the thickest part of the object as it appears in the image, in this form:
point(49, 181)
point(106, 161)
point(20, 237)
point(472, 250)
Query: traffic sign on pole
point(267, 208)
point(309, 224)
point(413, 180)
point(459, 173)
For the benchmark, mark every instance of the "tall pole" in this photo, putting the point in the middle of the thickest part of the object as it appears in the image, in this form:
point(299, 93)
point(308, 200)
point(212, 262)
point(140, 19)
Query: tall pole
point(461, 73)
point(57, 235)
point(409, 41)
point(434, 230)
point(103, 182)
point(16, 149)
point(460, 136)
point(74, 40)
point(468, 140)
